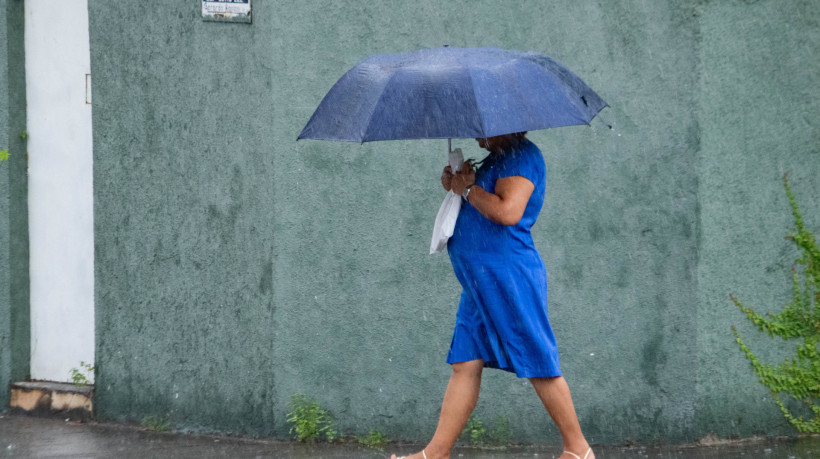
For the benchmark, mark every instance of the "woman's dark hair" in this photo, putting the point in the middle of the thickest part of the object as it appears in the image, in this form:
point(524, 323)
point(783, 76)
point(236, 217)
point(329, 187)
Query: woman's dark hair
point(513, 140)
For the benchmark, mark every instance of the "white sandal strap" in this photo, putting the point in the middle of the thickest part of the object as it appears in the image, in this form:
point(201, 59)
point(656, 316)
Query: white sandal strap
point(568, 452)
point(425, 455)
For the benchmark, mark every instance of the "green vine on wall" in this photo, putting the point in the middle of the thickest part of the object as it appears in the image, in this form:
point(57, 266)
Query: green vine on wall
point(798, 376)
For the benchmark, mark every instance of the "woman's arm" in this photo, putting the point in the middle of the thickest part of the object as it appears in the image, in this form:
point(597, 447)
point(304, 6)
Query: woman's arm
point(506, 206)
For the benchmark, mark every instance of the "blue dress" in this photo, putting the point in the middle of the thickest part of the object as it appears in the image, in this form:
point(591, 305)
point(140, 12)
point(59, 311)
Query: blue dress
point(502, 316)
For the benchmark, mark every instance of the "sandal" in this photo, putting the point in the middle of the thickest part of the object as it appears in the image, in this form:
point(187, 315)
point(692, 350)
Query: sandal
point(425, 455)
point(568, 452)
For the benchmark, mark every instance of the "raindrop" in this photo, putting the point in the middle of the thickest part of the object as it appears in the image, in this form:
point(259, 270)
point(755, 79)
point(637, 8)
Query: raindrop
point(592, 354)
point(767, 451)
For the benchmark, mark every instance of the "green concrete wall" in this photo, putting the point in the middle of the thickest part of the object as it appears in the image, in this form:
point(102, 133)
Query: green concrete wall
point(5, 309)
point(236, 266)
point(248, 267)
point(758, 110)
point(14, 298)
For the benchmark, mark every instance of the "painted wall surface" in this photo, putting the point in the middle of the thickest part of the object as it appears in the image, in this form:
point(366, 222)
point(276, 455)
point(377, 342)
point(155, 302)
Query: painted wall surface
point(14, 304)
point(758, 112)
point(235, 266)
point(248, 267)
point(61, 223)
point(5, 310)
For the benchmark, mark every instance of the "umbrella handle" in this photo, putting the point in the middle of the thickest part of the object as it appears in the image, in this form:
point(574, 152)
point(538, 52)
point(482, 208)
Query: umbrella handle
point(449, 145)
point(455, 158)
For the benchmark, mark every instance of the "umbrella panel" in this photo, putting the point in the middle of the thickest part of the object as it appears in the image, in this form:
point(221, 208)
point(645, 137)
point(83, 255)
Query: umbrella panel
point(427, 105)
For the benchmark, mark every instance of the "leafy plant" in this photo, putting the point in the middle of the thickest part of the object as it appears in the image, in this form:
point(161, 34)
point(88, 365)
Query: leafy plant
point(501, 433)
point(4, 155)
point(799, 376)
point(373, 439)
point(308, 420)
point(24, 135)
point(475, 431)
point(78, 375)
point(156, 423)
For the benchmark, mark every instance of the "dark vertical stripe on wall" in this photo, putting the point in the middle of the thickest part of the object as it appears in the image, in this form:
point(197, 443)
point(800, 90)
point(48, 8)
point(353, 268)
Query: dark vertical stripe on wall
point(5, 355)
point(18, 195)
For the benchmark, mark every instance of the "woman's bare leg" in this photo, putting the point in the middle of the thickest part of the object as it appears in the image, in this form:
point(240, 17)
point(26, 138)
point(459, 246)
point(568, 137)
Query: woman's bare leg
point(554, 394)
point(459, 402)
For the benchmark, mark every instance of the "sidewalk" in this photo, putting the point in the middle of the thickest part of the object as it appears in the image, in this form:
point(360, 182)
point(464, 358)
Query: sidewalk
point(22, 436)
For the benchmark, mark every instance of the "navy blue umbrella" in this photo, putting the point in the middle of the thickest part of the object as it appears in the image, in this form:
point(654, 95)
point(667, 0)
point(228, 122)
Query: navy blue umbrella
point(451, 93)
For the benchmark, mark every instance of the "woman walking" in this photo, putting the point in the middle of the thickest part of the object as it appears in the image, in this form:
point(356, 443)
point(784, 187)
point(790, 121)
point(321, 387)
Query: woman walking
point(502, 315)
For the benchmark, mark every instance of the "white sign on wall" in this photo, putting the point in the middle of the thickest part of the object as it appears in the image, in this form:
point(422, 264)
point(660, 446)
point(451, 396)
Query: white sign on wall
point(226, 10)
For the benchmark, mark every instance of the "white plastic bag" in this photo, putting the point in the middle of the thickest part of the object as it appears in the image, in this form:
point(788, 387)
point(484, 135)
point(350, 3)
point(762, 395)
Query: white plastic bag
point(445, 222)
point(448, 212)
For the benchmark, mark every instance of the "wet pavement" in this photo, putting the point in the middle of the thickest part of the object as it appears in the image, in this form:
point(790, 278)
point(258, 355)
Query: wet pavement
point(23, 436)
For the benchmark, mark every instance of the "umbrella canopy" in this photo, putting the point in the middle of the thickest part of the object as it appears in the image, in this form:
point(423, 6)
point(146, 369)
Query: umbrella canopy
point(451, 93)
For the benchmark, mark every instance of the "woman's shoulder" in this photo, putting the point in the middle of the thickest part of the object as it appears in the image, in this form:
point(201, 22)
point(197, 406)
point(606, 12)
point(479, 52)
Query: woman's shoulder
point(525, 160)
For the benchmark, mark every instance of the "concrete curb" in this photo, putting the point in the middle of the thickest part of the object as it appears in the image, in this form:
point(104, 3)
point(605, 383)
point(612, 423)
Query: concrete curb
point(52, 399)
